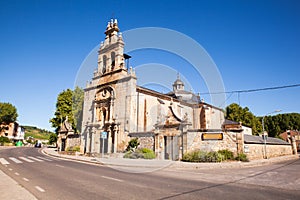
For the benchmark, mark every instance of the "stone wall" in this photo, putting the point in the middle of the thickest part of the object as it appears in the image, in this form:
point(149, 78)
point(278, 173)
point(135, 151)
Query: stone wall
point(72, 140)
point(194, 142)
point(256, 151)
point(146, 142)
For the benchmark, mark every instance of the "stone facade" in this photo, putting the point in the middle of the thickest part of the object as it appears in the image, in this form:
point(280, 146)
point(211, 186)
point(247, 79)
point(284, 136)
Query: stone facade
point(116, 108)
point(66, 136)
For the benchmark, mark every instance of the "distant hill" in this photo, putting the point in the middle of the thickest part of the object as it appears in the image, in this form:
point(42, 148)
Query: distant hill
point(36, 133)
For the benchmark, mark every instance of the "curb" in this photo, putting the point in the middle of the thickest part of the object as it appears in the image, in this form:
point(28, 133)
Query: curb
point(231, 165)
point(186, 165)
point(68, 158)
point(103, 163)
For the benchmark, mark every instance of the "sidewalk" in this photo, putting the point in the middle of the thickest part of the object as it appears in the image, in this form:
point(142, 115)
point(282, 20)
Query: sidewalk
point(122, 164)
point(142, 165)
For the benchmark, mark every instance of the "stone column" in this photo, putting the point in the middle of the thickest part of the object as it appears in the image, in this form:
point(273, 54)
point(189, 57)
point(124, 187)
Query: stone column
point(109, 139)
point(88, 140)
point(115, 139)
point(156, 146)
point(240, 142)
point(111, 110)
point(82, 144)
point(294, 145)
point(93, 140)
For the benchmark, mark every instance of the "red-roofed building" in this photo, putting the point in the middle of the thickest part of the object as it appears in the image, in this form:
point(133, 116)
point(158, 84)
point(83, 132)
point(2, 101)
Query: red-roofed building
point(289, 134)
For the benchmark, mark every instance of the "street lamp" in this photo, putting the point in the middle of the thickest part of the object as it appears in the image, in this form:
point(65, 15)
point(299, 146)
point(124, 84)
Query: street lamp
point(264, 135)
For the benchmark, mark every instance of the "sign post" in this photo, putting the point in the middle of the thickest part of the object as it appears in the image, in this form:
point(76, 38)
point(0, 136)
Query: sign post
point(103, 136)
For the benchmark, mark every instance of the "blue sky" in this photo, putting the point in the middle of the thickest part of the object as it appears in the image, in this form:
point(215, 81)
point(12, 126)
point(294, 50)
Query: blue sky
point(254, 44)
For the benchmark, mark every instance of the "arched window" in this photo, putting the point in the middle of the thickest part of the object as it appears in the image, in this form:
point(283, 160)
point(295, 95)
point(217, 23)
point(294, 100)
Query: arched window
point(104, 64)
point(113, 58)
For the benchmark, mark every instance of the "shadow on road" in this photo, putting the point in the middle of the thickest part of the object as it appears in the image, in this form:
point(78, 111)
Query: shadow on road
point(231, 182)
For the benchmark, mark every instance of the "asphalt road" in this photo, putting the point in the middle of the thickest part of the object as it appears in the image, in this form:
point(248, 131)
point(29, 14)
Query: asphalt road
point(50, 178)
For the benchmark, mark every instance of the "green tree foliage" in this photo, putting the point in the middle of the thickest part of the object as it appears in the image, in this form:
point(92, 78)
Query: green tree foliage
point(78, 96)
point(69, 103)
point(52, 138)
point(63, 109)
point(8, 113)
point(236, 113)
point(277, 124)
point(274, 125)
point(132, 144)
point(4, 140)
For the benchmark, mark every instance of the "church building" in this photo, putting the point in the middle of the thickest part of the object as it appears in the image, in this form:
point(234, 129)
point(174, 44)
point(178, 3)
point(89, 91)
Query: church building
point(116, 109)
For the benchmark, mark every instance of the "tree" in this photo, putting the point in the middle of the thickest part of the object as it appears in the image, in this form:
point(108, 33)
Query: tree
point(8, 114)
point(277, 124)
point(52, 138)
point(236, 113)
point(69, 103)
point(63, 109)
point(78, 96)
point(274, 125)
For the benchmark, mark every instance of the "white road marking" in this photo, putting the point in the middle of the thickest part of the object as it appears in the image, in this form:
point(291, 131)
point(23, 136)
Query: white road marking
point(114, 179)
point(15, 160)
point(16, 173)
point(10, 169)
point(44, 158)
point(26, 159)
point(39, 189)
point(36, 159)
point(3, 161)
point(59, 166)
point(25, 179)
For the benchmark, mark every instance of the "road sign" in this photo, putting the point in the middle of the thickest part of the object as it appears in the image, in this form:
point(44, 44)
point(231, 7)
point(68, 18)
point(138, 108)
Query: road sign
point(104, 135)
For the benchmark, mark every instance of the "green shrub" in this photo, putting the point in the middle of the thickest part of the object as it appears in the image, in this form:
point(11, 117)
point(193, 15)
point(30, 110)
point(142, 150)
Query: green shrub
point(202, 156)
point(227, 155)
point(127, 154)
point(144, 153)
point(133, 155)
point(132, 144)
point(213, 157)
point(148, 154)
point(146, 150)
point(76, 148)
point(4, 140)
point(73, 149)
point(242, 157)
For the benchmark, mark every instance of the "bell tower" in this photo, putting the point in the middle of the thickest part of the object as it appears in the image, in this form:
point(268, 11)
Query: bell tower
point(111, 52)
point(109, 96)
point(178, 84)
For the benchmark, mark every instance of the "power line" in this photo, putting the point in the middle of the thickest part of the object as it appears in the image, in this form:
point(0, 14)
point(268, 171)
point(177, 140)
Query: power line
point(253, 90)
